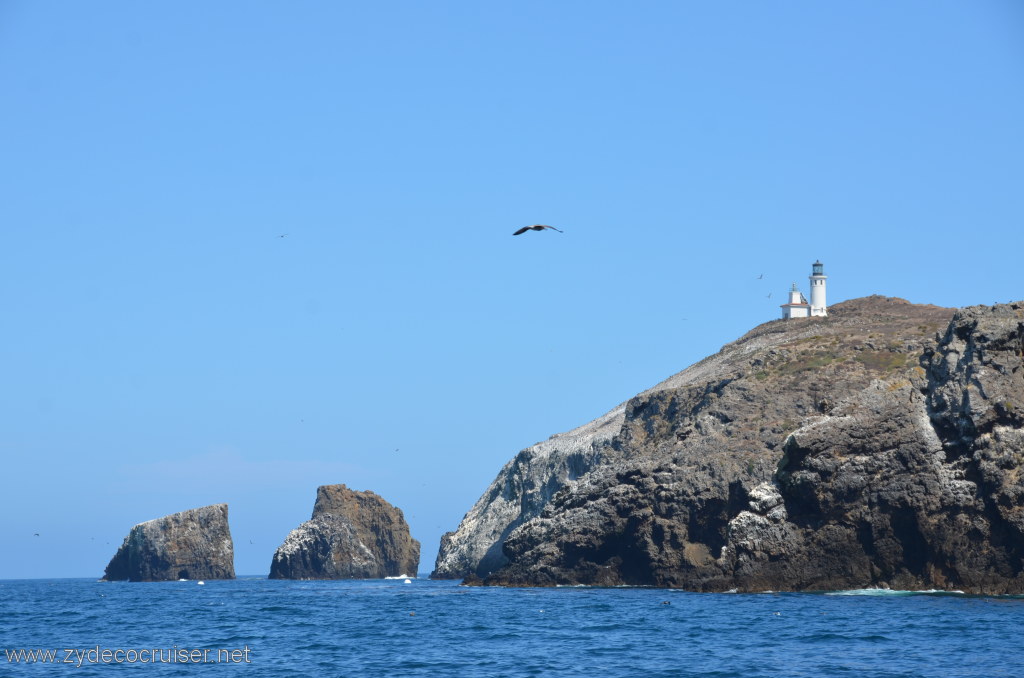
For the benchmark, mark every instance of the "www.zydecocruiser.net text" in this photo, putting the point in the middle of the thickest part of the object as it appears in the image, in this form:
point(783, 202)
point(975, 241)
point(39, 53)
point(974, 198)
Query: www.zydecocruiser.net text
point(79, 657)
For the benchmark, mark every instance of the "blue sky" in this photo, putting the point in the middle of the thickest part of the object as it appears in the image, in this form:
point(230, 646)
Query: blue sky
point(165, 348)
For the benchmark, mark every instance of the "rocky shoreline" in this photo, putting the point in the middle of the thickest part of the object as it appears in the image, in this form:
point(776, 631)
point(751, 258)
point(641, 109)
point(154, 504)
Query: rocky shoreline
point(880, 446)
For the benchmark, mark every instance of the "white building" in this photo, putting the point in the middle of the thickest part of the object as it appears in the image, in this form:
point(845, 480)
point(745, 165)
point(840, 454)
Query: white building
point(798, 306)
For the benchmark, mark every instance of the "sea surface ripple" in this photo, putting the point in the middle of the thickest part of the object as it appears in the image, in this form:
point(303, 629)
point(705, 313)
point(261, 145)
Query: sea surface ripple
point(438, 628)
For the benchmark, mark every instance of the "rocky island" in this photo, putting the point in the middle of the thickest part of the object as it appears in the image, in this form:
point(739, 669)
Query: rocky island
point(351, 535)
point(879, 446)
point(194, 544)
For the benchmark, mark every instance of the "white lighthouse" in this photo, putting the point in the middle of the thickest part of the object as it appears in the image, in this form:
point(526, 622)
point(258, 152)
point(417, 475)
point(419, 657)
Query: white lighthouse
point(818, 278)
point(798, 306)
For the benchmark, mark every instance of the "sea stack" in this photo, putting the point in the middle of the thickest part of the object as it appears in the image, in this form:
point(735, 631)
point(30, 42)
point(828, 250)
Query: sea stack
point(351, 535)
point(194, 544)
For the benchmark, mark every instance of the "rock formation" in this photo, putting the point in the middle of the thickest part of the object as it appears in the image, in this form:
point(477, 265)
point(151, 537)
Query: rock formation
point(194, 544)
point(352, 535)
point(879, 446)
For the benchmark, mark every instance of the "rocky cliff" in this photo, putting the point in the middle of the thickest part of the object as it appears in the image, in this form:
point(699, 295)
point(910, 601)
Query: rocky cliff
point(194, 544)
point(879, 446)
point(351, 535)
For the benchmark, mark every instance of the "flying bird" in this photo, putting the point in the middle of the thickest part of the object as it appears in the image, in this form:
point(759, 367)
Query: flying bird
point(536, 227)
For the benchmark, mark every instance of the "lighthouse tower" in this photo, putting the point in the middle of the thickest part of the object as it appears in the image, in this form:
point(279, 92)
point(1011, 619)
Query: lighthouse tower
point(818, 277)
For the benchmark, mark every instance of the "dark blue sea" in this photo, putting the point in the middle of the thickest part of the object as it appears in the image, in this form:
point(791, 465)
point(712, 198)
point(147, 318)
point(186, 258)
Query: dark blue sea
point(258, 627)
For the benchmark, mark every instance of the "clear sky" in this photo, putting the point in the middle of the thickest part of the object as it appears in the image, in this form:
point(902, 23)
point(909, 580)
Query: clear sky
point(250, 248)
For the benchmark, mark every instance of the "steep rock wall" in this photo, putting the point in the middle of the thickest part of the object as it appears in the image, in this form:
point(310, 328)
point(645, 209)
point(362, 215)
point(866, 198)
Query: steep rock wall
point(351, 535)
point(193, 544)
point(871, 453)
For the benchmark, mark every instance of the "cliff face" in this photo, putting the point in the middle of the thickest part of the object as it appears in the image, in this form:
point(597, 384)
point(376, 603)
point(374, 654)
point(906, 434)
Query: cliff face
point(194, 544)
point(879, 446)
point(351, 535)
point(520, 492)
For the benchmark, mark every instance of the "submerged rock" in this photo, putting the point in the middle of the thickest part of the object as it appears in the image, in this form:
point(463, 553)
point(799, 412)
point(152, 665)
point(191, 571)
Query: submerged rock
point(351, 535)
point(881, 446)
point(194, 544)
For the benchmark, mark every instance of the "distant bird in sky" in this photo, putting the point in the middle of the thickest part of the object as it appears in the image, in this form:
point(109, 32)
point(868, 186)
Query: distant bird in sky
point(769, 295)
point(536, 227)
point(36, 534)
point(760, 276)
point(283, 235)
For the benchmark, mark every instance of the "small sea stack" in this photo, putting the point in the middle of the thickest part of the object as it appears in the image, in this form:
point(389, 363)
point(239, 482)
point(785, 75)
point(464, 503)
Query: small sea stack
point(193, 544)
point(351, 535)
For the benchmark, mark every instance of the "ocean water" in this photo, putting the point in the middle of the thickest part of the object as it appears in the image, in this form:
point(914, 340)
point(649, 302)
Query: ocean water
point(428, 628)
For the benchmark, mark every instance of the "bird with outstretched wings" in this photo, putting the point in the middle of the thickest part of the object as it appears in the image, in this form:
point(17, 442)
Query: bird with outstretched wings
point(536, 227)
